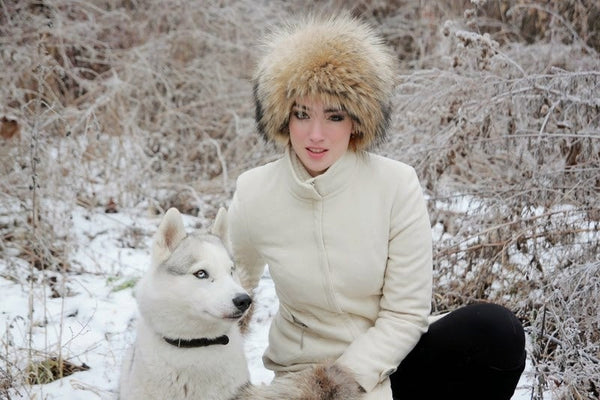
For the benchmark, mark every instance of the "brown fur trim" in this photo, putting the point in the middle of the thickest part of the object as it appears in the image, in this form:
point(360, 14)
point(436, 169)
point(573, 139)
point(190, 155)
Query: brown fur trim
point(321, 382)
point(341, 61)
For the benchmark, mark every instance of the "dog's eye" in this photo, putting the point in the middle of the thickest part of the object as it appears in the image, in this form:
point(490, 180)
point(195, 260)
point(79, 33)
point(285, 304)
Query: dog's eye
point(201, 274)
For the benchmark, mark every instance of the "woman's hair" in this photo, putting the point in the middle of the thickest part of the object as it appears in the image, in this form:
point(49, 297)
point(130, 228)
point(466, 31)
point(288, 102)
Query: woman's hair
point(339, 60)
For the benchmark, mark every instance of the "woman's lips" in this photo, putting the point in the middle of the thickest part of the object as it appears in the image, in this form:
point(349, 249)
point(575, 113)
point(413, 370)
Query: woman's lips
point(316, 152)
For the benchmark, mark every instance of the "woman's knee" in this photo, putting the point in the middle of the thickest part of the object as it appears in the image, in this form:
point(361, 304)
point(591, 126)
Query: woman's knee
point(495, 331)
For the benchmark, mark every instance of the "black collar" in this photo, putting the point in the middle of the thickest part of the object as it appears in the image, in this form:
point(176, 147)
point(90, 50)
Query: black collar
point(202, 342)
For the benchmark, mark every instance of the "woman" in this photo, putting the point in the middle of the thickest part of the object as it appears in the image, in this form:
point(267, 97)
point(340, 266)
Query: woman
point(346, 233)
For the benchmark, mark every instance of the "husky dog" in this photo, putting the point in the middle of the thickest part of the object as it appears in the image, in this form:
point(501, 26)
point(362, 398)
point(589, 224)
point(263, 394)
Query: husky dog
point(189, 344)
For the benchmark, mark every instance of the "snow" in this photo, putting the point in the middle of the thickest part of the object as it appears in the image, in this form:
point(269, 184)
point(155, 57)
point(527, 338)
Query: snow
point(94, 324)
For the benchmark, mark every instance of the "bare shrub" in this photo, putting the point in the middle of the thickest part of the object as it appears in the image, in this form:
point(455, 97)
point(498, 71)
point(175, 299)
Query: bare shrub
point(565, 333)
point(506, 139)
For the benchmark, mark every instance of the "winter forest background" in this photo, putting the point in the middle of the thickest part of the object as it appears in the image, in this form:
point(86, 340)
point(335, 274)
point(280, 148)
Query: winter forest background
point(111, 111)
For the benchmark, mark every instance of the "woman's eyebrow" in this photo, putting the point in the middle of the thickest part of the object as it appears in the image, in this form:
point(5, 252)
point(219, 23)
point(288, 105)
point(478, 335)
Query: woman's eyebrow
point(334, 110)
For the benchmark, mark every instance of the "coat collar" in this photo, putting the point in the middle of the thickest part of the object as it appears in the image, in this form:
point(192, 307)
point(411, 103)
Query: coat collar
point(338, 176)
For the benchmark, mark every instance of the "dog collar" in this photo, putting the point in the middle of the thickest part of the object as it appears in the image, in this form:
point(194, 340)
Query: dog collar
point(202, 342)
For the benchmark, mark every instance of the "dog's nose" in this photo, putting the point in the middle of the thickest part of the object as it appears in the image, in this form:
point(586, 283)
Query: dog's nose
point(242, 301)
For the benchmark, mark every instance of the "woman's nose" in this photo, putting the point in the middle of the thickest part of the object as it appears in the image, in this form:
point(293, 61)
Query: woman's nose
point(316, 131)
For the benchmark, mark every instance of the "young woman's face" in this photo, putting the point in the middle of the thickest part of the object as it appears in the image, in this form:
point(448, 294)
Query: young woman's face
point(319, 134)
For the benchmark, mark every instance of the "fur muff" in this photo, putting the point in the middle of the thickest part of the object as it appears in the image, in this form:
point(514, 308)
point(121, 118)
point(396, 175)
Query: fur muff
point(320, 382)
point(341, 60)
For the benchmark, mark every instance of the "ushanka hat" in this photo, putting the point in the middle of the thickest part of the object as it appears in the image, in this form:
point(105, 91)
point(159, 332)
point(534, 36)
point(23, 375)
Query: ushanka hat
point(339, 60)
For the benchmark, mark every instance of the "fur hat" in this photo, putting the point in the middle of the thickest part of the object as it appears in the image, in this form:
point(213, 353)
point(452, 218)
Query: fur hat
point(340, 60)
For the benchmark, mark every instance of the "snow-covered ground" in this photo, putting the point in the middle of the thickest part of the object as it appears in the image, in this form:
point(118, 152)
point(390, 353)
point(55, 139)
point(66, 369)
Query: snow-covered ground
point(94, 323)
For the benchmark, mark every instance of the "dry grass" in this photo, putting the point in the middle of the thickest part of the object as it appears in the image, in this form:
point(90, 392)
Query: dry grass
point(145, 103)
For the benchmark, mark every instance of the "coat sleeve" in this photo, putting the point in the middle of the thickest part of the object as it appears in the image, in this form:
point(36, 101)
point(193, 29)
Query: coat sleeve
point(250, 264)
point(406, 294)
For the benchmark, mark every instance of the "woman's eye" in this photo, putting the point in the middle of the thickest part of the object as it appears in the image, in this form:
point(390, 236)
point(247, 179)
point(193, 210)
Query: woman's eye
point(300, 115)
point(337, 117)
point(201, 274)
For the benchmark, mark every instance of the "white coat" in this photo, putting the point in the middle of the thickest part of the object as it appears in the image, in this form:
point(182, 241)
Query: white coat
point(350, 255)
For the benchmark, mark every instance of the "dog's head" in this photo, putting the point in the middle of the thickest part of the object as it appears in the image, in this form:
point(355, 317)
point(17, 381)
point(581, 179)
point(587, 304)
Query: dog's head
point(191, 289)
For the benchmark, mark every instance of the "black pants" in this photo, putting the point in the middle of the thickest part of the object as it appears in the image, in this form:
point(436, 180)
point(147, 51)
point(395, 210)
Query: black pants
point(475, 352)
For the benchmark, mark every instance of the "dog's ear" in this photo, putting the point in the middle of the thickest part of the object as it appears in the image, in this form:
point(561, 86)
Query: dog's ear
point(170, 233)
point(220, 227)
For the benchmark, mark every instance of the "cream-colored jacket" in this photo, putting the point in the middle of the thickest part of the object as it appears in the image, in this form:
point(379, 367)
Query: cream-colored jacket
point(349, 252)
